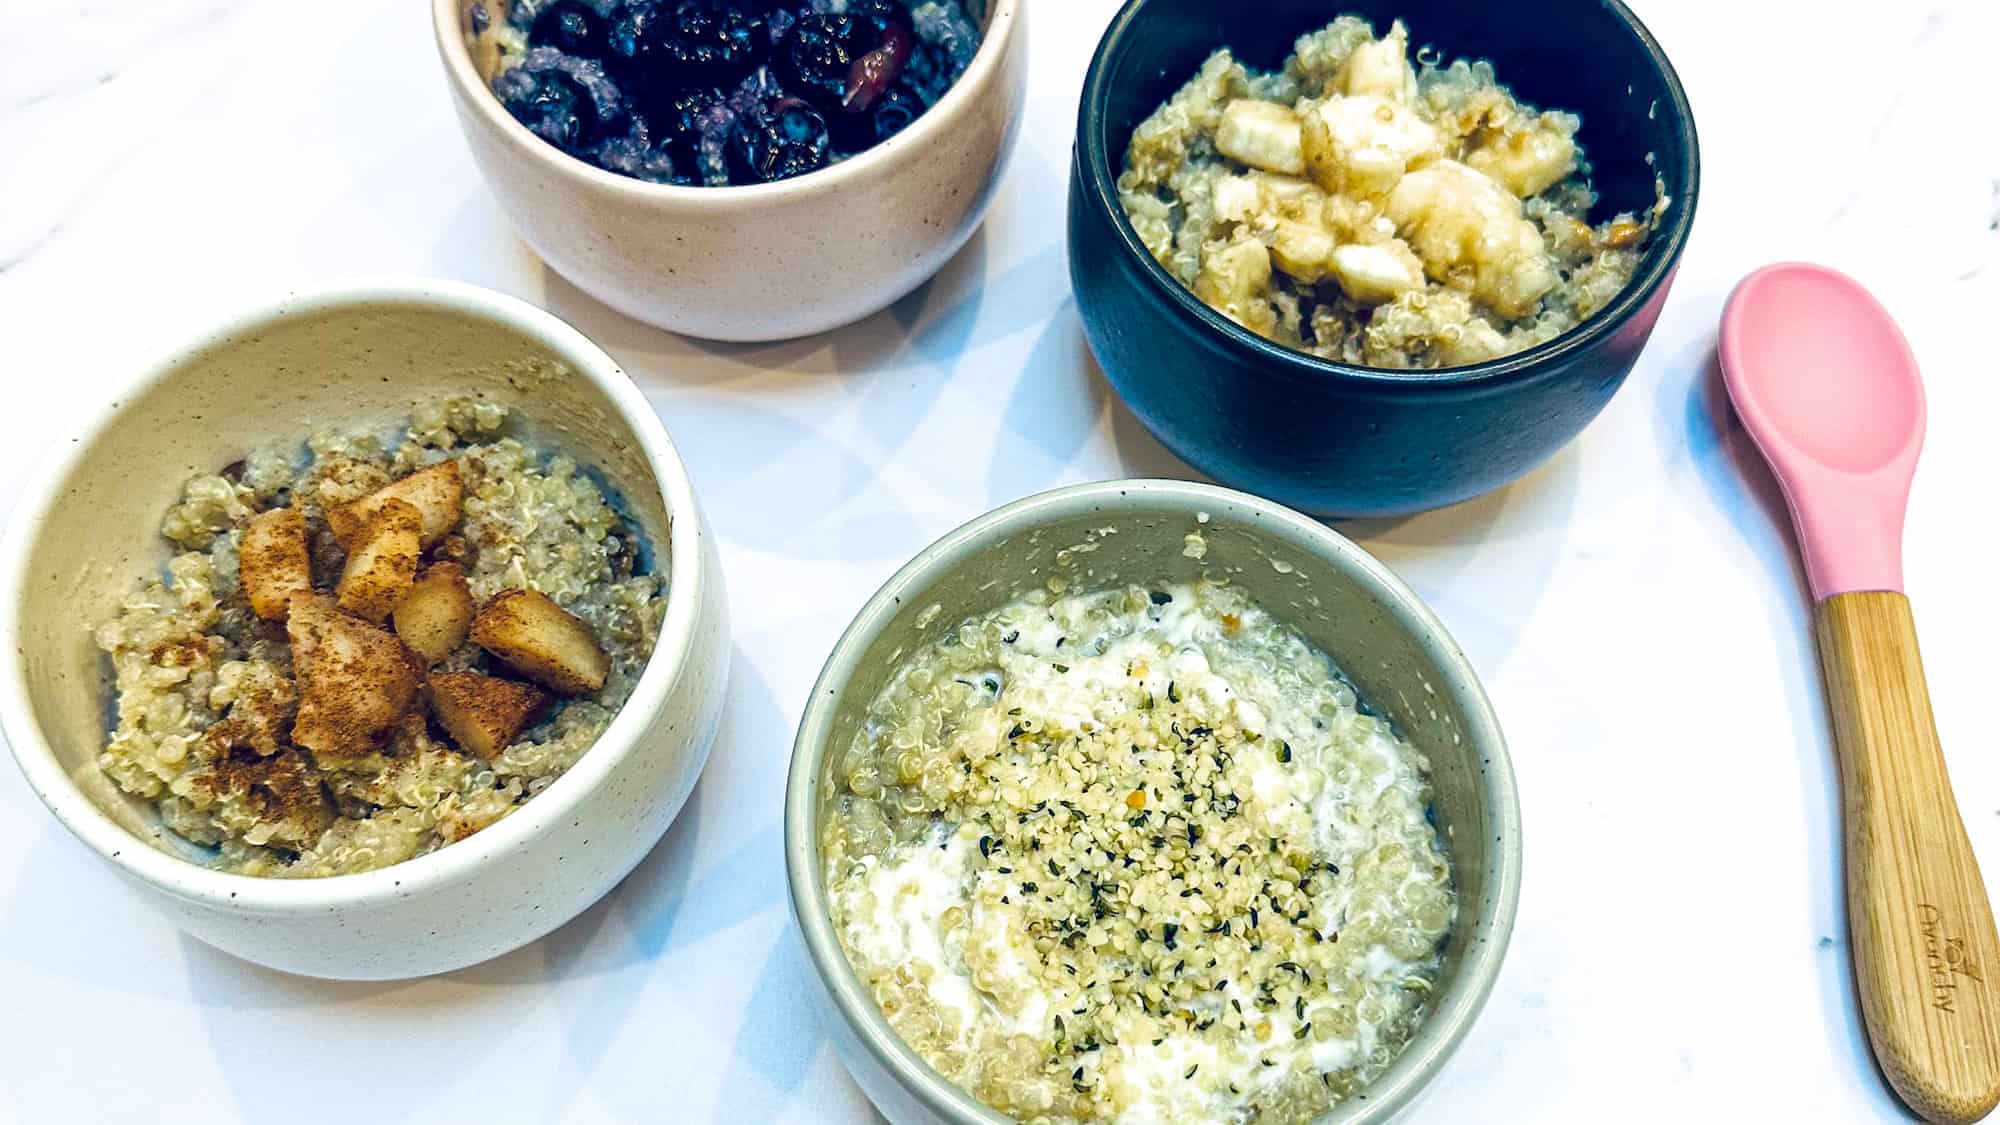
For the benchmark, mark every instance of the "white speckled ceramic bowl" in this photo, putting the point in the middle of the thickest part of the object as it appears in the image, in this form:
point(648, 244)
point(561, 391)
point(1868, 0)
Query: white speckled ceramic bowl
point(762, 262)
point(364, 355)
point(1389, 645)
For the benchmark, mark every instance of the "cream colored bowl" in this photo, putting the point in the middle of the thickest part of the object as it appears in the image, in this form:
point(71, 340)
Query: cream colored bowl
point(358, 355)
point(762, 262)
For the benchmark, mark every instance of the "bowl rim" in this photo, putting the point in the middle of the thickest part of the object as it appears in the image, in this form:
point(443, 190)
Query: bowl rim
point(998, 33)
point(195, 882)
point(1093, 163)
point(1492, 925)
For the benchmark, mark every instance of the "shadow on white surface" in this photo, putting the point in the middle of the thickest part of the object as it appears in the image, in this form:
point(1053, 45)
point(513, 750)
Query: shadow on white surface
point(677, 896)
point(1049, 419)
point(1694, 414)
point(1512, 537)
point(76, 897)
point(773, 481)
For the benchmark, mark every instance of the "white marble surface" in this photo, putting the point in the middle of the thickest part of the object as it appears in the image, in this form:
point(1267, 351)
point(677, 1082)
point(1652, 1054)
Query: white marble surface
point(1633, 606)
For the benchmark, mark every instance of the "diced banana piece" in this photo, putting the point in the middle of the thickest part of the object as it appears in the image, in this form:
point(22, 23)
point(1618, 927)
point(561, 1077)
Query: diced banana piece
point(1266, 199)
point(1303, 251)
point(1380, 68)
point(1528, 161)
point(1463, 224)
point(1374, 274)
point(1236, 199)
point(1233, 280)
point(1282, 191)
point(1261, 134)
point(1363, 144)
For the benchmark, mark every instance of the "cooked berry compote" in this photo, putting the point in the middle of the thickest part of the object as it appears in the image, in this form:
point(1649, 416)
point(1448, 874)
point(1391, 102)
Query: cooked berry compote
point(719, 92)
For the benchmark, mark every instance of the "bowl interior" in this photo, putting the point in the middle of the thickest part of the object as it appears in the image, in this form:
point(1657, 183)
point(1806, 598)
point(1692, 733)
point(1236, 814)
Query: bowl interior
point(271, 380)
point(1587, 57)
point(1388, 645)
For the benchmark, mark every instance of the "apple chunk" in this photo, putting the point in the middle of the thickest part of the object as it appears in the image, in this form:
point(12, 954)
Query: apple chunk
point(355, 681)
point(381, 562)
point(274, 562)
point(434, 617)
point(437, 493)
point(539, 639)
point(484, 714)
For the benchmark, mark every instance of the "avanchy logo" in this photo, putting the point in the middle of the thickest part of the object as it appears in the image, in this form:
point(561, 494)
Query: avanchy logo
point(1945, 960)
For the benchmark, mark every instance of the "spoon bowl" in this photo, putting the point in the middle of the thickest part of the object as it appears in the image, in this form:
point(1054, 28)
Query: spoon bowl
point(1828, 388)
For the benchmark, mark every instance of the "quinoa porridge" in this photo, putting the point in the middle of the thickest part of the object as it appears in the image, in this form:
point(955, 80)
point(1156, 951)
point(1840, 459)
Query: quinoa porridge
point(1137, 855)
point(1365, 210)
point(379, 648)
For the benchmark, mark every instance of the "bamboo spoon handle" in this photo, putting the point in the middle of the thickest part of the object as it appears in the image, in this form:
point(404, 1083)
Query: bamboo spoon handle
point(1918, 920)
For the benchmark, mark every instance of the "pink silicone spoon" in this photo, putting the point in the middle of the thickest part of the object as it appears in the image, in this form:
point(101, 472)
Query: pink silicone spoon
point(1828, 388)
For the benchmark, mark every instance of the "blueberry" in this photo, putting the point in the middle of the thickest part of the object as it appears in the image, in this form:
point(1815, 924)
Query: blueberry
point(894, 110)
point(817, 57)
point(570, 26)
point(891, 114)
point(788, 139)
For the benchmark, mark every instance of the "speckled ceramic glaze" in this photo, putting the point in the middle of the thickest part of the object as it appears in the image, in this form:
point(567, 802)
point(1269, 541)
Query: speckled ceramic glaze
point(1340, 440)
point(1352, 607)
point(359, 356)
point(763, 262)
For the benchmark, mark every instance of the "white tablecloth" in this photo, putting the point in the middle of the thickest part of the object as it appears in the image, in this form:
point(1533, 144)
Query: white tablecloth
point(1633, 606)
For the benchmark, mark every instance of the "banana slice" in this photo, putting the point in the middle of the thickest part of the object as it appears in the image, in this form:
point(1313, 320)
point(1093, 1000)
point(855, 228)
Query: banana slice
point(1261, 134)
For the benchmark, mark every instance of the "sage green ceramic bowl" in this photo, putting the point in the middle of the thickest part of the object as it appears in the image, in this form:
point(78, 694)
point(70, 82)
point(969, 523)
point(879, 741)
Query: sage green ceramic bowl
point(1351, 606)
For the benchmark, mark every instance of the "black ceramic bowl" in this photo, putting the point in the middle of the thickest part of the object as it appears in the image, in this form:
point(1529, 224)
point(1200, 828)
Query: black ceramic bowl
point(1331, 438)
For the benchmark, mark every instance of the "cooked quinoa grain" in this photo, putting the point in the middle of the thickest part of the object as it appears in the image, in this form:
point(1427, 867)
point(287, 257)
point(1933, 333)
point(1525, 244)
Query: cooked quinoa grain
point(1137, 856)
point(1365, 210)
point(207, 692)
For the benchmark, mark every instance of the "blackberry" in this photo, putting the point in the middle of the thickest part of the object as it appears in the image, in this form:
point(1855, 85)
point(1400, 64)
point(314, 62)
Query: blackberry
point(789, 138)
point(677, 114)
point(555, 107)
point(640, 154)
point(881, 13)
point(570, 103)
point(683, 42)
point(570, 26)
point(624, 30)
point(818, 55)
